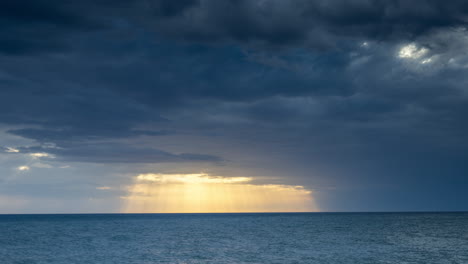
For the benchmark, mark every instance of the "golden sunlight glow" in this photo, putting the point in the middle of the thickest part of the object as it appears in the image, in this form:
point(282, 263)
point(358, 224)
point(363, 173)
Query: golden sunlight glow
point(203, 193)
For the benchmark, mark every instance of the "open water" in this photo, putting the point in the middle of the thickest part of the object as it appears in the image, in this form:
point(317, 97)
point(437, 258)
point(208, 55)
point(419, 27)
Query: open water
point(320, 238)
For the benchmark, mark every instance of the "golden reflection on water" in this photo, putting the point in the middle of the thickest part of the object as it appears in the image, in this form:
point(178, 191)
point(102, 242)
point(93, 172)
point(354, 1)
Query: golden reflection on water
point(202, 193)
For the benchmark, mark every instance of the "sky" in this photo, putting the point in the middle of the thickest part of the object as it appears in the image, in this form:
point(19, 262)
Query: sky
point(233, 105)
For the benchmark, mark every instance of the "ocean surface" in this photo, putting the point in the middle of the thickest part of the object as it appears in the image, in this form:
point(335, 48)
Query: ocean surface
point(235, 238)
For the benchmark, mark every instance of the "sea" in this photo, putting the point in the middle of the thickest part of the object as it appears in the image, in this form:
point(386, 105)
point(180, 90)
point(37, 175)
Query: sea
point(416, 238)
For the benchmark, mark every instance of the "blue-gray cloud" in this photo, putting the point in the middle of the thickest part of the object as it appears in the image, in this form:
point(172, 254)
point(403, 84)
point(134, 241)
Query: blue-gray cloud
point(109, 153)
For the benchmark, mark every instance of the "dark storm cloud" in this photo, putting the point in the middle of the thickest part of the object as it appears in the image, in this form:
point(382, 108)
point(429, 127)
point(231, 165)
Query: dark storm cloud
point(116, 84)
point(33, 26)
point(167, 8)
point(40, 26)
point(50, 12)
point(311, 23)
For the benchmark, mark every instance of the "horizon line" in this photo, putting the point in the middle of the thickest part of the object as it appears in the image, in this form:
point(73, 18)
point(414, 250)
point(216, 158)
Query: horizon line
point(201, 213)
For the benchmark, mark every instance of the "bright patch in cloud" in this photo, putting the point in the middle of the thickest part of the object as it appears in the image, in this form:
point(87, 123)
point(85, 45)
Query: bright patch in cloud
point(40, 155)
point(202, 193)
point(23, 168)
point(426, 61)
point(103, 188)
point(190, 178)
point(411, 51)
point(11, 150)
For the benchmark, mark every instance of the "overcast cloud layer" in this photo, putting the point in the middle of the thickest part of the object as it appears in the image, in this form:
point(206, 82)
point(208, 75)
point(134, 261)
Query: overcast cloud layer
point(364, 102)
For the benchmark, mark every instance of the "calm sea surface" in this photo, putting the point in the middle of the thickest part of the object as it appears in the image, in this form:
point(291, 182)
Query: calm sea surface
point(236, 238)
